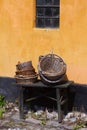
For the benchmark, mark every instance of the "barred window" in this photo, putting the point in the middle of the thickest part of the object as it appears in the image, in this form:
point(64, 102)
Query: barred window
point(47, 13)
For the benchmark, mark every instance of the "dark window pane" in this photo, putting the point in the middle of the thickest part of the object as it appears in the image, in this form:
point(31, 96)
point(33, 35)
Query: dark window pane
point(48, 2)
point(40, 11)
point(48, 12)
point(56, 2)
point(55, 22)
point(40, 22)
point(55, 11)
point(47, 22)
point(39, 2)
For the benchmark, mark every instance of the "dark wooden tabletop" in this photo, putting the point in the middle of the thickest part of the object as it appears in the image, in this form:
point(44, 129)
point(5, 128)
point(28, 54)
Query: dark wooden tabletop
point(39, 83)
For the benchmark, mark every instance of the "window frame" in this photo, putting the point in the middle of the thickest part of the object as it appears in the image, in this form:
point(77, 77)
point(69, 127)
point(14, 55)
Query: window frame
point(49, 20)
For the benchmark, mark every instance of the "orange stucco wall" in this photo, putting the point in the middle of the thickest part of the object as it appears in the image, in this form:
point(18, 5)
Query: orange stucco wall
point(21, 41)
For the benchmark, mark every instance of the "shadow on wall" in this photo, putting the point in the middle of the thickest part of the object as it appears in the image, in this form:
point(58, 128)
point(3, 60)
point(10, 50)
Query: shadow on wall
point(77, 93)
point(8, 88)
point(78, 97)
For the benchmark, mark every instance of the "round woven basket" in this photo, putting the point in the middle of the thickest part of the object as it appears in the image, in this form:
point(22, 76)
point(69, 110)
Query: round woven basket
point(60, 80)
point(51, 68)
point(26, 80)
point(26, 72)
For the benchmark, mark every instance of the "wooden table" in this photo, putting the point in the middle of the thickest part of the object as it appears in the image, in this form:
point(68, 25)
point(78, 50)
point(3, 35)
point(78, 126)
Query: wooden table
point(39, 84)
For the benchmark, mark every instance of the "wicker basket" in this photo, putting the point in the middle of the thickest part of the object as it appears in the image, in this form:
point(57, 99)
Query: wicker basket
point(26, 72)
point(24, 66)
point(26, 80)
point(51, 68)
point(59, 80)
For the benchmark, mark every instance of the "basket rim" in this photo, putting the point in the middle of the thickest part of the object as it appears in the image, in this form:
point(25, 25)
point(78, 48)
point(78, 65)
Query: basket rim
point(51, 81)
point(53, 74)
point(24, 70)
point(26, 77)
point(23, 63)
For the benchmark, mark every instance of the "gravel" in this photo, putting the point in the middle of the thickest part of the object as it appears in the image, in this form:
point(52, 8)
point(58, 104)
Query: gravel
point(37, 121)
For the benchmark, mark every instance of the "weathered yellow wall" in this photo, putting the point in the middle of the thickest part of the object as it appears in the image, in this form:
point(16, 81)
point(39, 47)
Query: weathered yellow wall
point(21, 41)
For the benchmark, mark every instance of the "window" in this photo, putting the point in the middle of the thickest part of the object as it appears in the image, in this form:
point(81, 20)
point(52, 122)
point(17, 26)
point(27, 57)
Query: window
point(47, 13)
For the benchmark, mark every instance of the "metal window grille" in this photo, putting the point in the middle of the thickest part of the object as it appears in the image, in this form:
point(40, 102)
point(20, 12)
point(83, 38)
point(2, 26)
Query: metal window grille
point(47, 13)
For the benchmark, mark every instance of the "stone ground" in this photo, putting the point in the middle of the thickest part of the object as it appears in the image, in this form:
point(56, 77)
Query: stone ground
point(11, 121)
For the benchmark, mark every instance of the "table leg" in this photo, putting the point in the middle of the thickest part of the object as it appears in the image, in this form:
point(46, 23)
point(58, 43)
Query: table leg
point(66, 103)
point(21, 111)
point(59, 105)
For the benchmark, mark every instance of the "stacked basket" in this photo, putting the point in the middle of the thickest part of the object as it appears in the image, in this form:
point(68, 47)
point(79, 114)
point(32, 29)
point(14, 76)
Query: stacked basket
point(52, 69)
point(25, 73)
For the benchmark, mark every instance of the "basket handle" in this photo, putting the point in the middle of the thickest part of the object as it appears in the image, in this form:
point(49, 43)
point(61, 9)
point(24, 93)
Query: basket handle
point(61, 60)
